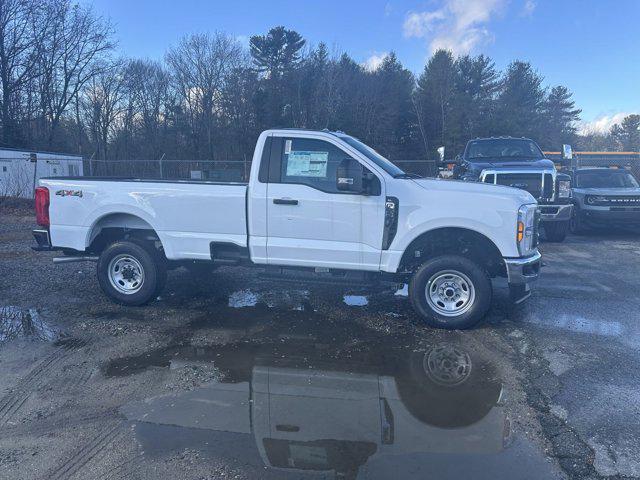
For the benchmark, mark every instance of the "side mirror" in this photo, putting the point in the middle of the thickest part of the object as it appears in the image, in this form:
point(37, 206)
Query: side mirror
point(349, 176)
point(567, 153)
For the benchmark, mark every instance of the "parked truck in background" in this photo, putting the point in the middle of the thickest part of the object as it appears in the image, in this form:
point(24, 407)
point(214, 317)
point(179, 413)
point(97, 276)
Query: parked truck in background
point(520, 163)
point(319, 206)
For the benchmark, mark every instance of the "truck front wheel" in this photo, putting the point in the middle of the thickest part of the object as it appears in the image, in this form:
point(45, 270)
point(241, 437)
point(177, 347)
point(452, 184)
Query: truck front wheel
point(451, 292)
point(556, 231)
point(130, 273)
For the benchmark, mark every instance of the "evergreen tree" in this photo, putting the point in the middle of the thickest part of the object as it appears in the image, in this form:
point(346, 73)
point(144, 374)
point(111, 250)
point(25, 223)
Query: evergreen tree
point(434, 94)
point(520, 105)
point(561, 116)
point(626, 135)
point(277, 52)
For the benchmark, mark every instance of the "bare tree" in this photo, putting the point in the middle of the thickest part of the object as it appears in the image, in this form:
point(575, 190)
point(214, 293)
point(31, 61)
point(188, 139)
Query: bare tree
point(102, 102)
point(69, 55)
point(200, 66)
point(18, 39)
point(150, 97)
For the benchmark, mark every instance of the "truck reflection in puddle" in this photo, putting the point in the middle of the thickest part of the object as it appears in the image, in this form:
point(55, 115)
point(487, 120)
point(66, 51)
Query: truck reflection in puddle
point(438, 411)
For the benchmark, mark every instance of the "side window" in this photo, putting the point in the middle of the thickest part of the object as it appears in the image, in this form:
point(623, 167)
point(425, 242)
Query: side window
point(311, 162)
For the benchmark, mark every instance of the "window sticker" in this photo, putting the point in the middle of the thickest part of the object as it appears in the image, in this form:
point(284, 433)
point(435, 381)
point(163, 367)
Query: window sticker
point(307, 164)
point(287, 147)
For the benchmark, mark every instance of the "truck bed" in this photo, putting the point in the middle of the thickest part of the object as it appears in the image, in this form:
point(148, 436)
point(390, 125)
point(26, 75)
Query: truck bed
point(187, 215)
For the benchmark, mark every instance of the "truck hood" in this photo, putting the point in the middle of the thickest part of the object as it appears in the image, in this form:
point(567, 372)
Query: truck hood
point(475, 189)
point(498, 163)
point(608, 191)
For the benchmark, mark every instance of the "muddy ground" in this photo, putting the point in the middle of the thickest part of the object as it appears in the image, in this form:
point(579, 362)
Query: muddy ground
point(234, 377)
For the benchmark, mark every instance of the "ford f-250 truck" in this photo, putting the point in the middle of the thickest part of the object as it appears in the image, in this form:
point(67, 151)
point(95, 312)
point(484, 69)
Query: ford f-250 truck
point(520, 163)
point(319, 205)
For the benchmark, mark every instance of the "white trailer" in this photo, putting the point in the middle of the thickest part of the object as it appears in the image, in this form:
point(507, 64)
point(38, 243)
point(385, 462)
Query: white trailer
point(20, 170)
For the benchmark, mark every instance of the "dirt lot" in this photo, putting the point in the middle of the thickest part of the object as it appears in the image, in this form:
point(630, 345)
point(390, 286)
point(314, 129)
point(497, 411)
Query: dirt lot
point(234, 377)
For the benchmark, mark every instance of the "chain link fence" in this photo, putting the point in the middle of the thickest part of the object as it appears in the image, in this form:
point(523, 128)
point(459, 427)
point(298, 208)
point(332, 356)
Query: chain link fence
point(218, 170)
point(626, 160)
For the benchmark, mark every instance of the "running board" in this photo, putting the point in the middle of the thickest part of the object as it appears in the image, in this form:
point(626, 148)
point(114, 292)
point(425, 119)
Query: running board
point(74, 259)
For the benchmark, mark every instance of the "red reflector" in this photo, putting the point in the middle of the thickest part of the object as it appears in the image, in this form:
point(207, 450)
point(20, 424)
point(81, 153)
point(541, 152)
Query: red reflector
point(42, 206)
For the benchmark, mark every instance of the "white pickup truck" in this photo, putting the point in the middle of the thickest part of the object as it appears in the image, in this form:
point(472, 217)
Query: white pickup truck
point(320, 206)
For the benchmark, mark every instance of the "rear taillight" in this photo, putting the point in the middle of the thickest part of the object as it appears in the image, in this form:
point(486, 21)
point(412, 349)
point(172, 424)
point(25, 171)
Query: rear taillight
point(42, 206)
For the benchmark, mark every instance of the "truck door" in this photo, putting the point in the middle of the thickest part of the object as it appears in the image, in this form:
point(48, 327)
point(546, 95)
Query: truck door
point(309, 221)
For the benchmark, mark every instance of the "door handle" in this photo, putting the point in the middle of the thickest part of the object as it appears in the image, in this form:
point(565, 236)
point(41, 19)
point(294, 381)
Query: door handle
point(285, 201)
point(287, 428)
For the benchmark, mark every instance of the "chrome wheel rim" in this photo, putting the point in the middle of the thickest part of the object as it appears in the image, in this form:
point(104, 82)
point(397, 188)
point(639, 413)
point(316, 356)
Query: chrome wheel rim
point(450, 293)
point(126, 274)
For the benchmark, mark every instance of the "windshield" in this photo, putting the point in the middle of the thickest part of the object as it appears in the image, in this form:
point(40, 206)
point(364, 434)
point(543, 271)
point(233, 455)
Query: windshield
point(606, 179)
point(374, 156)
point(502, 148)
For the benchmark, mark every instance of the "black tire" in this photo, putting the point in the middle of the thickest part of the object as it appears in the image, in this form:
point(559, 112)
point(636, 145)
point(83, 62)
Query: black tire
point(556, 231)
point(475, 309)
point(149, 260)
point(576, 225)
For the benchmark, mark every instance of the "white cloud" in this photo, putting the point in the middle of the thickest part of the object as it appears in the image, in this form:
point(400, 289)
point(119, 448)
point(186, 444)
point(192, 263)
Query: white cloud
point(602, 123)
point(528, 8)
point(374, 61)
point(459, 25)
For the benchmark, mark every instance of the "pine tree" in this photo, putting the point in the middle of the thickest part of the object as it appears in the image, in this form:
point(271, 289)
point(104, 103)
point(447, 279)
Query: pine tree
point(561, 116)
point(626, 135)
point(433, 100)
point(277, 52)
point(520, 105)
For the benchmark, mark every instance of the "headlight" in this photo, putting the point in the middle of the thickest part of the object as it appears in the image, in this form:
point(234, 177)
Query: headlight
point(526, 230)
point(564, 188)
point(595, 199)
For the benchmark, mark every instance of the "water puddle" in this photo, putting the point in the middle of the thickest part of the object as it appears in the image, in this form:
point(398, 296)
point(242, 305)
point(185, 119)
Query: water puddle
point(16, 322)
point(290, 299)
point(297, 408)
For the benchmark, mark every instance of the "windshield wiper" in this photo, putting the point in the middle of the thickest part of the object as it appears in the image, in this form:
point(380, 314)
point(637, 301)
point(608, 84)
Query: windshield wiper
point(407, 175)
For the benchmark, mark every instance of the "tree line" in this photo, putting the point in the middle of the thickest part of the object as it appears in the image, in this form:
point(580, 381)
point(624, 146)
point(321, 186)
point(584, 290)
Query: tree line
point(63, 89)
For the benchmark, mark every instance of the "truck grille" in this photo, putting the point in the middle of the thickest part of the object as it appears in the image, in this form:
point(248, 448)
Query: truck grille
point(615, 201)
point(531, 182)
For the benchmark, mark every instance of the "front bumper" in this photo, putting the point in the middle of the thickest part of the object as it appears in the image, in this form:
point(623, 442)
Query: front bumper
point(610, 216)
point(521, 273)
point(555, 213)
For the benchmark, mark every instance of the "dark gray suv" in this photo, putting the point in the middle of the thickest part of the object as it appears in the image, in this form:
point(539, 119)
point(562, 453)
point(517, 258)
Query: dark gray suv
point(605, 197)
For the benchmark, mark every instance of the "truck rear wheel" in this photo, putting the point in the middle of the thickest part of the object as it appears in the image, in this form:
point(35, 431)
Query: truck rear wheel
point(130, 273)
point(555, 231)
point(450, 292)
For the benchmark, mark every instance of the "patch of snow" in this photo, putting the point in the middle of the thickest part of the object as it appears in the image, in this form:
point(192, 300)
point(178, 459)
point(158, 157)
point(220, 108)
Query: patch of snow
point(355, 300)
point(403, 292)
point(243, 298)
point(559, 411)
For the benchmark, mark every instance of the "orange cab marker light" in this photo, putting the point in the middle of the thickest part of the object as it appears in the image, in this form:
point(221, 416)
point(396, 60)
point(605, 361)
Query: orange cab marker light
point(520, 231)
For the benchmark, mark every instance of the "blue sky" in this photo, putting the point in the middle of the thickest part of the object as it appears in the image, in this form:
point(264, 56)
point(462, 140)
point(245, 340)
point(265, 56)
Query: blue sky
point(591, 46)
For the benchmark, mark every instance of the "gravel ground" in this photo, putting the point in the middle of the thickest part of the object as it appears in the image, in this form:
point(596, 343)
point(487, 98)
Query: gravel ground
point(234, 377)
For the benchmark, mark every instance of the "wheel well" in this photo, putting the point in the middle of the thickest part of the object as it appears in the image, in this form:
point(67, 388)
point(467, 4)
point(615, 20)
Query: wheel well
point(122, 226)
point(458, 241)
